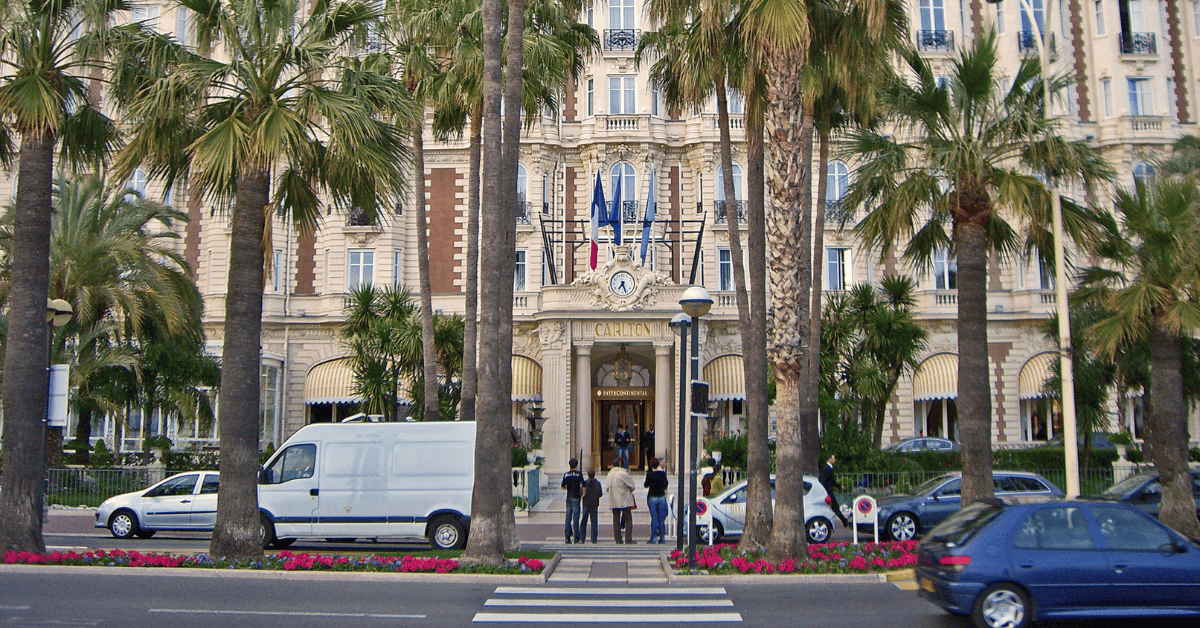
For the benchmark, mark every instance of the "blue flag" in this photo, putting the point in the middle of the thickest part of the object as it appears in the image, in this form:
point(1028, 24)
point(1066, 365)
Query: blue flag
point(614, 217)
point(648, 219)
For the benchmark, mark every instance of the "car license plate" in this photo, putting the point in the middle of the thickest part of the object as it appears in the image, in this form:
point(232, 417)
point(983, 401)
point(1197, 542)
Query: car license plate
point(927, 584)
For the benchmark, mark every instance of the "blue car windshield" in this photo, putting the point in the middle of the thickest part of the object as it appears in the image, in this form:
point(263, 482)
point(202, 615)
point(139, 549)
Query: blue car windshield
point(962, 525)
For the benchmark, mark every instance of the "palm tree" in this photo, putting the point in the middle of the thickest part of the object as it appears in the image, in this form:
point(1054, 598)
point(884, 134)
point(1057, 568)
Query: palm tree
point(964, 160)
point(1150, 283)
point(49, 50)
point(380, 330)
point(284, 119)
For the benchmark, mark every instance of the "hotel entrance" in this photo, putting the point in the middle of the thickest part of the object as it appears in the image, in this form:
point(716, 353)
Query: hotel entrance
point(613, 408)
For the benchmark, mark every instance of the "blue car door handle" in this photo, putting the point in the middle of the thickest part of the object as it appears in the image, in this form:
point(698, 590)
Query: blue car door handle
point(1119, 567)
point(1026, 565)
point(185, 501)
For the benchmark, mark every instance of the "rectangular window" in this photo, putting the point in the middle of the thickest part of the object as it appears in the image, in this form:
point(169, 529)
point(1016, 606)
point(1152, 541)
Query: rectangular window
point(1171, 98)
point(656, 107)
point(1141, 98)
point(725, 270)
point(519, 273)
point(589, 12)
point(622, 95)
point(277, 271)
point(1106, 97)
point(933, 15)
point(1137, 17)
point(183, 22)
point(1045, 273)
point(1196, 19)
point(397, 268)
point(360, 268)
point(591, 97)
point(945, 270)
point(621, 15)
point(147, 14)
point(837, 275)
point(1100, 32)
point(737, 104)
point(1000, 19)
point(1039, 17)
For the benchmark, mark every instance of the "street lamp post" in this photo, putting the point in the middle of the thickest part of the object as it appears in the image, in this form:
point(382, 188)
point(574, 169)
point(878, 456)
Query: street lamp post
point(682, 321)
point(1067, 376)
point(696, 302)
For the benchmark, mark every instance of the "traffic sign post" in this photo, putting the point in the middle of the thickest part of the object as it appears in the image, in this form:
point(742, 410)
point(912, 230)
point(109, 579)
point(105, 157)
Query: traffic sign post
point(865, 511)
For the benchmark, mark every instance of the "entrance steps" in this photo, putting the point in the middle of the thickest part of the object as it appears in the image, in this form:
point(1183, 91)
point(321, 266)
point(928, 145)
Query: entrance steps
point(607, 562)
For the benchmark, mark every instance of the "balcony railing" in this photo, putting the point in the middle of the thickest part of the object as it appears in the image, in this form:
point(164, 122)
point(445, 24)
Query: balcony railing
point(1138, 44)
point(1145, 123)
point(935, 41)
point(622, 123)
point(621, 39)
point(523, 212)
point(836, 211)
point(629, 211)
point(721, 216)
point(736, 122)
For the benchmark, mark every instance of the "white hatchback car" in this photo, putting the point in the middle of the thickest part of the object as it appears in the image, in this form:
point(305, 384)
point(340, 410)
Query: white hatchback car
point(729, 511)
point(187, 501)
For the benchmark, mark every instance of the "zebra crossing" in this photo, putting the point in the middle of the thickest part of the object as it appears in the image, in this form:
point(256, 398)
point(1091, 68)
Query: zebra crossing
point(609, 605)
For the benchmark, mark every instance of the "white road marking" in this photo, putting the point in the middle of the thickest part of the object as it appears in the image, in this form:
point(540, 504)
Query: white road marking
point(14, 608)
point(284, 613)
point(614, 603)
point(609, 591)
point(607, 618)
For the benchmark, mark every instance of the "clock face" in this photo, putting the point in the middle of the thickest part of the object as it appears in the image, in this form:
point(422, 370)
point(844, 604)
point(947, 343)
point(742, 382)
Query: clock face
point(621, 283)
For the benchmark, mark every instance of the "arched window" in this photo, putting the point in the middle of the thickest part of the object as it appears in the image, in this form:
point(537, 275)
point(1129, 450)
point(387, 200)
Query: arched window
point(629, 191)
point(737, 183)
point(1143, 172)
point(837, 179)
point(136, 183)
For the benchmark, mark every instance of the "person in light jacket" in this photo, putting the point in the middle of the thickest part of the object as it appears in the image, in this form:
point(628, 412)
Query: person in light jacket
point(620, 497)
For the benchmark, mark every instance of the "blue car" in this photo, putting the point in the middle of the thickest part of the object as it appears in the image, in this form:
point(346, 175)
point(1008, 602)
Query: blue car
point(903, 517)
point(1009, 564)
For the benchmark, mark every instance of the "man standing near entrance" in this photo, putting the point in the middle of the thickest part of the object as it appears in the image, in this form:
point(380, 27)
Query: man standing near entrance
point(648, 445)
point(621, 440)
point(620, 496)
point(573, 481)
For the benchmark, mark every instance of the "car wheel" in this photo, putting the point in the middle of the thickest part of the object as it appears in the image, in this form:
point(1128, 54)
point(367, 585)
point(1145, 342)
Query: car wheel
point(1002, 605)
point(447, 533)
point(145, 534)
point(123, 524)
point(902, 526)
point(266, 531)
point(818, 529)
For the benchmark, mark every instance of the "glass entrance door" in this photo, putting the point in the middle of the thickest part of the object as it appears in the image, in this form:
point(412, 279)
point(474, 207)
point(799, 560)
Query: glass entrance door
point(636, 419)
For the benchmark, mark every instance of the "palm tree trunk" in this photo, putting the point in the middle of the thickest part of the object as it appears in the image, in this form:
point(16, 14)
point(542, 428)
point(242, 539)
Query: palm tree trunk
point(471, 309)
point(236, 535)
point(818, 255)
point(810, 438)
point(759, 514)
point(1166, 418)
point(428, 352)
point(493, 462)
point(974, 385)
point(788, 258)
point(22, 482)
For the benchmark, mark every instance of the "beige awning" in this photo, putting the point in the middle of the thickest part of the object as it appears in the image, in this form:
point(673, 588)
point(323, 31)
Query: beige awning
point(936, 378)
point(526, 379)
point(726, 378)
point(1034, 374)
point(330, 382)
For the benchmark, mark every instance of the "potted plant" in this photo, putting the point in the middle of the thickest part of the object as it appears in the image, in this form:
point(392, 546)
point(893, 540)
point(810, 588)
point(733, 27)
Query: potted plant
point(1122, 440)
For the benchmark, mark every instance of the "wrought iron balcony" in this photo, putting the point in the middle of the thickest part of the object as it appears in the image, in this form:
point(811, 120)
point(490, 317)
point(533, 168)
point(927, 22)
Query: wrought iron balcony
point(621, 39)
point(522, 212)
point(836, 211)
point(722, 217)
point(357, 217)
point(1138, 44)
point(629, 211)
point(935, 41)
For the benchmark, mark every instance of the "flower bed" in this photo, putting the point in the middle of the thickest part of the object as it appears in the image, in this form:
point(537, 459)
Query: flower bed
point(282, 561)
point(830, 558)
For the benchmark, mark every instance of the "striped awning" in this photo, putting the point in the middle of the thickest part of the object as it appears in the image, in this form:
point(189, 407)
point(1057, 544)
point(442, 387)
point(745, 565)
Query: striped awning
point(936, 378)
point(330, 382)
point(526, 379)
point(726, 378)
point(1034, 374)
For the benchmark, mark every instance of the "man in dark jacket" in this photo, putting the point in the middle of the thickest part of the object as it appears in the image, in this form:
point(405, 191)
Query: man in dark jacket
point(591, 505)
point(573, 482)
point(827, 480)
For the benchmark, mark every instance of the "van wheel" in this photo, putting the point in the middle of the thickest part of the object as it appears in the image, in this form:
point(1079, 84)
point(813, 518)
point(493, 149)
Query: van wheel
point(447, 533)
point(266, 531)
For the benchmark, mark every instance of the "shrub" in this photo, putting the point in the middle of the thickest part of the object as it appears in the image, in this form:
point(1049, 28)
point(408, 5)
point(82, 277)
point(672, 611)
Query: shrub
point(101, 456)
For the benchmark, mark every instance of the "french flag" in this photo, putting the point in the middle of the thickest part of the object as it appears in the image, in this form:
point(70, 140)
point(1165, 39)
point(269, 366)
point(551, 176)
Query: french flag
point(599, 215)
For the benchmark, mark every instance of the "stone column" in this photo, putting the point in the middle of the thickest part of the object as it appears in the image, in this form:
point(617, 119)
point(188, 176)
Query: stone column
point(664, 429)
point(556, 431)
point(582, 378)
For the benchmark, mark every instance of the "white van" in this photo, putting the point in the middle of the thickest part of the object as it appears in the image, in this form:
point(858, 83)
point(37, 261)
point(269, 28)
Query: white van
point(371, 480)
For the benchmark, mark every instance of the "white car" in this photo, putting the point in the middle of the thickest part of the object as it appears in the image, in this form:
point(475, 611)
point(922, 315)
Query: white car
point(187, 501)
point(729, 511)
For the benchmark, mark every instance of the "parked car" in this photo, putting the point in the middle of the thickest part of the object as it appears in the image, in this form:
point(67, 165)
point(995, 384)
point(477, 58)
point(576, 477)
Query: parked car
point(1099, 441)
point(729, 511)
point(1008, 565)
point(1144, 492)
point(187, 501)
point(924, 443)
point(903, 517)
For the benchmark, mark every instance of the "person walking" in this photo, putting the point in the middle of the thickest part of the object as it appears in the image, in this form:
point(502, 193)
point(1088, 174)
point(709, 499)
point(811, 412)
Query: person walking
point(656, 501)
point(591, 505)
point(620, 497)
point(830, 483)
point(621, 440)
point(573, 482)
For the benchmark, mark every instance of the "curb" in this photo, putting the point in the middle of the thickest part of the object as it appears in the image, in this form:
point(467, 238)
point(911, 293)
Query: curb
point(550, 566)
point(675, 577)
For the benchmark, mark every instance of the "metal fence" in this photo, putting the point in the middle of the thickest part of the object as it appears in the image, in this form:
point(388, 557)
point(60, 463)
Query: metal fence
point(1091, 481)
point(89, 487)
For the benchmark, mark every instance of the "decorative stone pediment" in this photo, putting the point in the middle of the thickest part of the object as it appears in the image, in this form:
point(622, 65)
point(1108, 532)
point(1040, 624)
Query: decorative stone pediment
point(621, 285)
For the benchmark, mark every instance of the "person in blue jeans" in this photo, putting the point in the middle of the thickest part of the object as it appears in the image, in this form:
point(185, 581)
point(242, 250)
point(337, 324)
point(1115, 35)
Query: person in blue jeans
point(656, 499)
point(573, 482)
point(621, 440)
point(592, 490)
